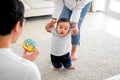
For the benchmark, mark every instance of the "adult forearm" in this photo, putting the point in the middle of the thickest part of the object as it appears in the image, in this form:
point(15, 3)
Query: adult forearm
point(58, 6)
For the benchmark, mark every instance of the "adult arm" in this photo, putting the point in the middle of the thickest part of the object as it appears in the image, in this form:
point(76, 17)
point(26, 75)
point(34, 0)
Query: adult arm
point(58, 6)
point(76, 12)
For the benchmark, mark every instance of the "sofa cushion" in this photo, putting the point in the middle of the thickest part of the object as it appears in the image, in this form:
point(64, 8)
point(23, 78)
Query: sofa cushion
point(37, 4)
point(34, 8)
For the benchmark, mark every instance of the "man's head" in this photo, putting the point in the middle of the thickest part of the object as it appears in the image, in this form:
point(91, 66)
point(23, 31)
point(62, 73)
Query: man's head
point(11, 16)
point(63, 26)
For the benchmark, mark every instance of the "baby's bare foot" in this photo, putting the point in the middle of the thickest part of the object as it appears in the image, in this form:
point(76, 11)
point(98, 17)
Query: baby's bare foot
point(71, 67)
point(55, 69)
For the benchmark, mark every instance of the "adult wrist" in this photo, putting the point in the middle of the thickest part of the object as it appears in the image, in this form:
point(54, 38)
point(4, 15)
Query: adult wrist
point(74, 24)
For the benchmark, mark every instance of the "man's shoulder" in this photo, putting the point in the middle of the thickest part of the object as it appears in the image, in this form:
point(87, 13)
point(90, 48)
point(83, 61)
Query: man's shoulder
point(31, 70)
point(28, 64)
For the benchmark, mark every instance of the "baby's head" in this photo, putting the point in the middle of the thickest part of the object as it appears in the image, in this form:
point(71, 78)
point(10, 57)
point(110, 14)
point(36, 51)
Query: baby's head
point(63, 27)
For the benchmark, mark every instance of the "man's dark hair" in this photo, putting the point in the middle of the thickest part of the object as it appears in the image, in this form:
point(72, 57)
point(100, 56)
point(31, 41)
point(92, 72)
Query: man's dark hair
point(11, 12)
point(63, 20)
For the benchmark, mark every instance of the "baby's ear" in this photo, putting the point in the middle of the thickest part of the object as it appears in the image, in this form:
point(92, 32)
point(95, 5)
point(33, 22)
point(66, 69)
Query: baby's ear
point(69, 30)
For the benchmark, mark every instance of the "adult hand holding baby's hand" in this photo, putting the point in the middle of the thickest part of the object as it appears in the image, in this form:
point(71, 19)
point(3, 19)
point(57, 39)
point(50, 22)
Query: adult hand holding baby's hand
point(75, 29)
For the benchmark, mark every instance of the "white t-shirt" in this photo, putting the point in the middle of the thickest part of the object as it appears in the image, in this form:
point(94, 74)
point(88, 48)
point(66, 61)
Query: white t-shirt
point(60, 45)
point(14, 67)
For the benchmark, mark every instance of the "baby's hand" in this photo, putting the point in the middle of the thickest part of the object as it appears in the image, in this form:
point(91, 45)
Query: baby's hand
point(31, 55)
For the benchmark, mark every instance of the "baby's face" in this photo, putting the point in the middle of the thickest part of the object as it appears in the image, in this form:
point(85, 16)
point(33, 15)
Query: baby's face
point(63, 28)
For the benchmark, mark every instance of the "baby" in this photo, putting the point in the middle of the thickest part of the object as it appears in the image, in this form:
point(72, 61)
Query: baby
point(61, 44)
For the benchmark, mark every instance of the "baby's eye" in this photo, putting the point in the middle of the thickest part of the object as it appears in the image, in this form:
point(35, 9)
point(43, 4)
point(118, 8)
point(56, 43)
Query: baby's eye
point(66, 28)
point(60, 27)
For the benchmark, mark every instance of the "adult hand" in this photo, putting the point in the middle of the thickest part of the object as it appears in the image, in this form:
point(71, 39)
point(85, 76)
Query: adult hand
point(75, 30)
point(31, 55)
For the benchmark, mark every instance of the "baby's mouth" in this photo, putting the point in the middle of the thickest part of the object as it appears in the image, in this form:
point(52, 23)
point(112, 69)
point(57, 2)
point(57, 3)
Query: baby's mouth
point(61, 33)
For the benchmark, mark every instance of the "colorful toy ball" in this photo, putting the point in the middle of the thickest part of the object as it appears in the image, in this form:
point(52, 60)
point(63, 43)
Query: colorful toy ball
point(29, 45)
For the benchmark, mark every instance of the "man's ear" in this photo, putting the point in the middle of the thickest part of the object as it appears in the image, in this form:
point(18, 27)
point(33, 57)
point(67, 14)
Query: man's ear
point(17, 26)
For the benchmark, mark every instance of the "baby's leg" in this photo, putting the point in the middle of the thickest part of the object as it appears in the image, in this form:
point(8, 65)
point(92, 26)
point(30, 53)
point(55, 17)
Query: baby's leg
point(66, 61)
point(56, 62)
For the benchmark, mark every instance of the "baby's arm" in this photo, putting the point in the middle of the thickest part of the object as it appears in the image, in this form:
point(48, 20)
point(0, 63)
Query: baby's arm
point(50, 24)
point(31, 55)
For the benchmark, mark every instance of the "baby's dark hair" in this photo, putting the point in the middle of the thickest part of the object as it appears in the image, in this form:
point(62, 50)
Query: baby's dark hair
point(63, 20)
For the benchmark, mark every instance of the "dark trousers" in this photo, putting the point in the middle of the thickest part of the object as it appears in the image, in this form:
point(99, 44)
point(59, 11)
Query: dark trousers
point(58, 61)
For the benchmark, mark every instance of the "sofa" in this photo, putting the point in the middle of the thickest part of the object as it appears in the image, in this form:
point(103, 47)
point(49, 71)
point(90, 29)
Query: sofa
point(35, 8)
